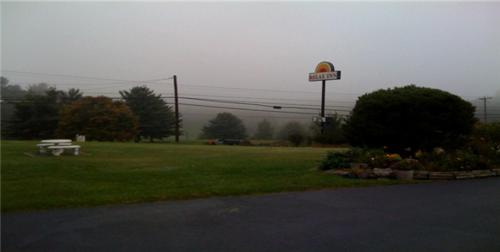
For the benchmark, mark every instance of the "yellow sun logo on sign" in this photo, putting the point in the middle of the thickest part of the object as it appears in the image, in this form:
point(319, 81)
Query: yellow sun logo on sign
point(324, 66)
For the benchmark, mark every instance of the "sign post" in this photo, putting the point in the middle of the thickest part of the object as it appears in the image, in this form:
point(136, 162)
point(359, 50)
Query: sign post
point(324, 71)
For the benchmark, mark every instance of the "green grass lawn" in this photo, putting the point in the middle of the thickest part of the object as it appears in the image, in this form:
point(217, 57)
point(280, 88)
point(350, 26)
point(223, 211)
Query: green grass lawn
point(109, 173)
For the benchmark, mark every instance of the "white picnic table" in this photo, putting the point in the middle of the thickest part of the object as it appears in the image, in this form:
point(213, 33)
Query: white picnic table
point(57, 146)
point(56, 141)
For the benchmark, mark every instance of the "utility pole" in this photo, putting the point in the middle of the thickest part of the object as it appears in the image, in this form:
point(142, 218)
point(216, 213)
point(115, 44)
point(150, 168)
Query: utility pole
point(323, 107)
point(176, 110)
point(485, 113)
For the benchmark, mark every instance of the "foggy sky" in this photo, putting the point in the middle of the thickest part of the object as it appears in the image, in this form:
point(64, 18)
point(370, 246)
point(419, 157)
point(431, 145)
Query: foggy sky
point(451, 46)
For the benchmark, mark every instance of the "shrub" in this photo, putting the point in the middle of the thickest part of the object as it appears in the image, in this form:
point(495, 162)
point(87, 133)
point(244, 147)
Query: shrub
point(336, 160)
point(485, 141)
point(410, 116)
point(373, 157)
point(293, 132)
point(407, 164)
point(333, 131)
point(458, 160)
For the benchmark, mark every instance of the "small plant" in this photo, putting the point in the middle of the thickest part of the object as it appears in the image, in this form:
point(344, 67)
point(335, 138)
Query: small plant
point(463, 160)
point(408, 165)
point(336, 160)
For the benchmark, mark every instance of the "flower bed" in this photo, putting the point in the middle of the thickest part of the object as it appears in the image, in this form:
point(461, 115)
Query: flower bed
point(436, 165)
point(419, 175)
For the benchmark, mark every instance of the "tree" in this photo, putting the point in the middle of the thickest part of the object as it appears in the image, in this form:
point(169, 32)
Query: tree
point(333, 134)
point(36, 116)
point(293, 132)
point(410, 116)
point(10, 94)
point(264, 130)
point(156, 119)
point(98, 118)
point(71, 96)
point(39, 89)
point(226, 126)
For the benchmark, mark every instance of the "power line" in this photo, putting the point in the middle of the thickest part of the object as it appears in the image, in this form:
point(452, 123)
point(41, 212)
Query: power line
point(263, 89)
point(253, 116)
point(254, 104)
point(268, 99)
point(281, 103)
point(245, 109)
point(83, 77)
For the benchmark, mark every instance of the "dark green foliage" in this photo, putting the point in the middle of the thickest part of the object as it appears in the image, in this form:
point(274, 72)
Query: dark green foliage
point(334, 133)
point(224, 125)
point(98, 118)
point(374, 158)
point(264, 130)
point(410, 116)
point(37, 116)
point(156, 118)
point(407, 165)
point(457, 160)
point(489, 132)
point(10, 94)
point(293, 132)
point(39, 89)
point(337, 160)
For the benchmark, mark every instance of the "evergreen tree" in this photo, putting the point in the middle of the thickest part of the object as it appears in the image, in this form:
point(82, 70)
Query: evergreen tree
point(156, 118)
point(264, 130)
point(226, 126)
point(37, 116)
point(10, 94)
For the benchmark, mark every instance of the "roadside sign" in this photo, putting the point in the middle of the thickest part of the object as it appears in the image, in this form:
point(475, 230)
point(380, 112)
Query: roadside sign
point(324, 71)
point(335, 75)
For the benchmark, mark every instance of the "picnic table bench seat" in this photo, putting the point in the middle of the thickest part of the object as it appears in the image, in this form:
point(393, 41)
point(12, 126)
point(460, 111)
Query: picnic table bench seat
point(59, 149)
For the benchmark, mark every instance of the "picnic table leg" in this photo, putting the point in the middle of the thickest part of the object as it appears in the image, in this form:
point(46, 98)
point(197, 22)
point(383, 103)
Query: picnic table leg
point(57, 152)
point(77, 151)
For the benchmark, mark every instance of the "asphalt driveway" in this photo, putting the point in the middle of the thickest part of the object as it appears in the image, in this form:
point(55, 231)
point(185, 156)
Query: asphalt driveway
point(441, 216)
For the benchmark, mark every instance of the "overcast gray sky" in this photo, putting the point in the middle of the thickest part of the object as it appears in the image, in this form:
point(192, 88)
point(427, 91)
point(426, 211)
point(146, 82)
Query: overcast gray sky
point(452, 46)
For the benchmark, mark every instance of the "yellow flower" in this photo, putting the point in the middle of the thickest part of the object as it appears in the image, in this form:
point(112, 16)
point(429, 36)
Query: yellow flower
point(419, 153)
point(394, 156)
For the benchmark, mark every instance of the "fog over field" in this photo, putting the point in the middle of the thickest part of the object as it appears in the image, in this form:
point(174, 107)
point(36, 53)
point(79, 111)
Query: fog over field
point(256, 53)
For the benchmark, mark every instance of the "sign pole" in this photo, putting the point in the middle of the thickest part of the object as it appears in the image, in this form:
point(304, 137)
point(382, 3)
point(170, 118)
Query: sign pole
point(323, 107)
point(324, 71)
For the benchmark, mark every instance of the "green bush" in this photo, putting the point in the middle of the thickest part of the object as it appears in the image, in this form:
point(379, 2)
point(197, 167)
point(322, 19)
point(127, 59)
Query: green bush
point(457, 160)
point(337, 160)
point(294, 132)
point(333, 131)
point(375, 158)
point(485, 141)
point(407, 164)
point(410, 117)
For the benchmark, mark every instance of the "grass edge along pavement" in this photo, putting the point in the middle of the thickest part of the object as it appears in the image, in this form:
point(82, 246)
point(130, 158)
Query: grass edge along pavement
point(117, 173)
